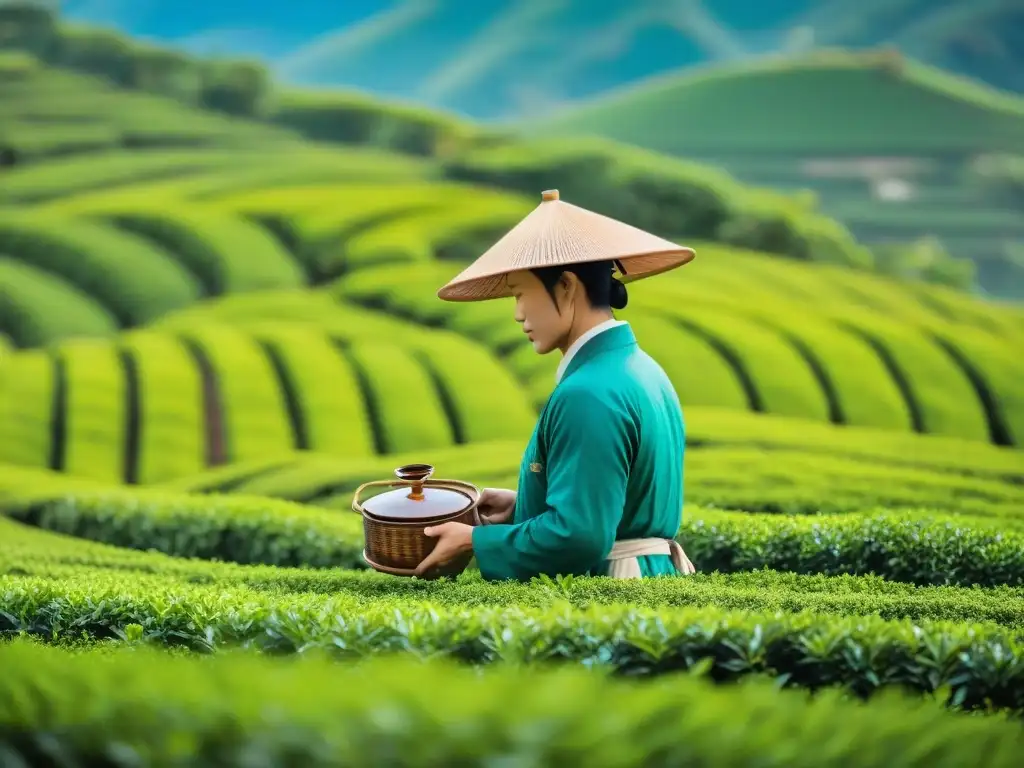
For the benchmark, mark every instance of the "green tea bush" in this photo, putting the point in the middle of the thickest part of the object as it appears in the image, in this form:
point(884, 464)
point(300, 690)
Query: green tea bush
point(227, 254)
point(995, 373)
point(34, 142)
point(94, 411)
point(483, 401)
point(35, 552)
point(401, 422)
point(219, 712)
point(922, 548)
point(169, 420)
point(133, 280)
point(324, 391)
point(105, 171)
point(238, 529)
point(682, 352)
point(340, 228)
point(28, 297)
point(249, 401)
point(57, 111)
point(979, 665)
point(952, 455)
point(770, 479)
point(858, 388)
point(800, 482)
point(358, 119)
point(938, 392)
point(815, 359)
point(27, 386)
point(455, 233)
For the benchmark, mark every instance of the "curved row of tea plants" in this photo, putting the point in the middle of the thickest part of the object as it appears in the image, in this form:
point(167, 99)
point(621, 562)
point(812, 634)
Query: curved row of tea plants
point(705, 428)
point(94, 702)
point(28, 296)
point(725, 343)
point(812, 347)
point(981, 665)
point(155, 405)
point(135, 253)
point(132, 278)
point(918, 545)
point(193, 173)
point(254, 375)
point(779, 480)
point(38, 553)
point(55, 112)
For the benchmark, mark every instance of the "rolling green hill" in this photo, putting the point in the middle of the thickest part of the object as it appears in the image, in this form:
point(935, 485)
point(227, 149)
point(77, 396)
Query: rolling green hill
point(887, 143)
point(830, 103)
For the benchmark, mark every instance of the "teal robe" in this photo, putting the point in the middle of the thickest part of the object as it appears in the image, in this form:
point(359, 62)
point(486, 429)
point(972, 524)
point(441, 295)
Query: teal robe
point(605, 463)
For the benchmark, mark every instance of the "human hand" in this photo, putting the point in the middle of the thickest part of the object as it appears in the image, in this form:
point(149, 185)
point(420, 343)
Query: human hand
point(452, 540)
point(496, 505)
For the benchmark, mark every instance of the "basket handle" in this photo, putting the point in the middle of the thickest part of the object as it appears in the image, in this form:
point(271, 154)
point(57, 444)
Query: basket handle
point(356, 506)
point(472, 490)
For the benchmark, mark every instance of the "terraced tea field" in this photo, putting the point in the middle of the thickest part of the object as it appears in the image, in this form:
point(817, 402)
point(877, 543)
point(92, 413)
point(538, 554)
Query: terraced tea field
point(205, 349)
point(299, 277)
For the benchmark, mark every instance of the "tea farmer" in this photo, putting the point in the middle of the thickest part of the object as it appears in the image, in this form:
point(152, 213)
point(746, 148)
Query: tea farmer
point(601, 482)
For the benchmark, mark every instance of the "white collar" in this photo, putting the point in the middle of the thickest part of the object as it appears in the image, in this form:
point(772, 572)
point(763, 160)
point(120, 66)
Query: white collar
point(576, 345)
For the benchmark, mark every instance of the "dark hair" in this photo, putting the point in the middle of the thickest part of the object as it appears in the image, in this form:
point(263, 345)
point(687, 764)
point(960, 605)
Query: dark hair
point(603, 290)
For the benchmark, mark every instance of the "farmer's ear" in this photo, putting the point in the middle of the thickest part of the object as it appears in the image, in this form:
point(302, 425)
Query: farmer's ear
point(568, 282)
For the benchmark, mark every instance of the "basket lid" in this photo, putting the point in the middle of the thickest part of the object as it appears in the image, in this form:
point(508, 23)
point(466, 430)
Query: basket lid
point(416, 502)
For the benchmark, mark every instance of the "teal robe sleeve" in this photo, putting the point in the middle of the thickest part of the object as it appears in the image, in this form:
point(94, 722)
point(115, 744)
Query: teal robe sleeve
point(587, 459)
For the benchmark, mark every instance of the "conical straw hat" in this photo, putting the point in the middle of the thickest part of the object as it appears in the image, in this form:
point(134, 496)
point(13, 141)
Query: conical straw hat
point(558, 233)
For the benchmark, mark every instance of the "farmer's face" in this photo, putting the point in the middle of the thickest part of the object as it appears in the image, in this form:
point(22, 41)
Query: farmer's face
point(542, 323)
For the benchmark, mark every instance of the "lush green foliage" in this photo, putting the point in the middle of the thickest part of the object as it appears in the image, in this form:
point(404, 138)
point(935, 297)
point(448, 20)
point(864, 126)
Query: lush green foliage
point(161, 404)
point(923, 547)
point(784, 339)
point(772, 479)
point(28, 297)
point(125, 176)
point(663, 195)
point(980, 665)
point(29, 389)
point(854, 478)
point(31, 551)
point(222, 711)
point(134, 280)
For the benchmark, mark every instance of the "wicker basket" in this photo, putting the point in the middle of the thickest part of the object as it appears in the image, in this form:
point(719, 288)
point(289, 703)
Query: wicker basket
point(393, 522)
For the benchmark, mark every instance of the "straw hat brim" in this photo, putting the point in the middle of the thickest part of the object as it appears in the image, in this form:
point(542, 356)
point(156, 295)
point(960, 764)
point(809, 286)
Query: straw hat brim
point(557, 233)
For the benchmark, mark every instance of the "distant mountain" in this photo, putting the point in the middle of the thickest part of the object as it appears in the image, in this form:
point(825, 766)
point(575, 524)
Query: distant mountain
point(520, 58)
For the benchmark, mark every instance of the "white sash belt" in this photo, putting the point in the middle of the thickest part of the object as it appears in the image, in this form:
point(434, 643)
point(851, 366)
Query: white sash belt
point(624, 554)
